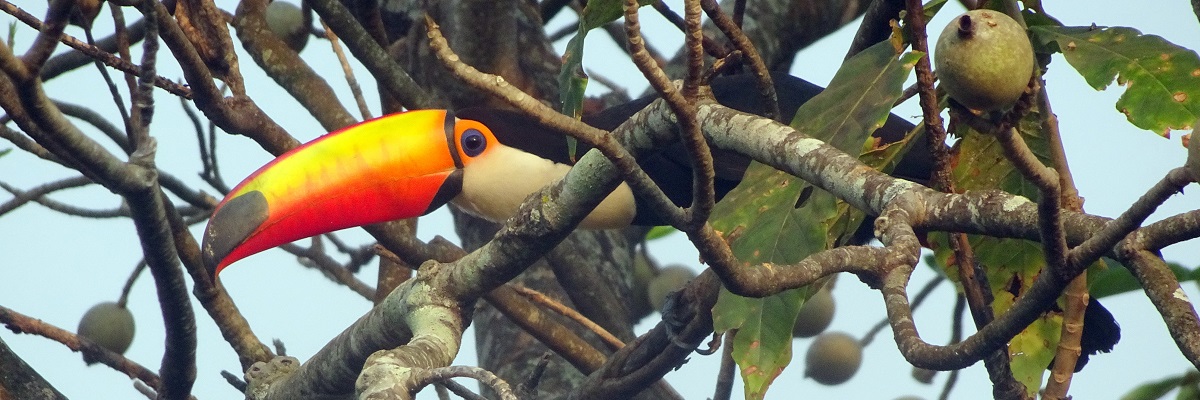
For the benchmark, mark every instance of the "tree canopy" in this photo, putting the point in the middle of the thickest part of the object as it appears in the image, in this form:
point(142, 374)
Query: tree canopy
point(144, 115)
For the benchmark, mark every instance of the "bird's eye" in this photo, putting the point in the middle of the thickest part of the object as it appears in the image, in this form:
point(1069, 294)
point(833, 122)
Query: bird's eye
point(473, 142)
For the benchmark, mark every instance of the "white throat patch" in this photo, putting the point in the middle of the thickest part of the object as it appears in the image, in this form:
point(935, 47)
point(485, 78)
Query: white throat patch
point(498, 181)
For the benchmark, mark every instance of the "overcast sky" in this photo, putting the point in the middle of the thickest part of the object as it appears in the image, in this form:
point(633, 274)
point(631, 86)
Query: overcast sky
point(57, 266)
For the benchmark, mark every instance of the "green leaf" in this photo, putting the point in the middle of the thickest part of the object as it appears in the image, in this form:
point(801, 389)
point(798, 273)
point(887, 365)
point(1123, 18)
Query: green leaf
point(600, 12)
point(1153, 390)
point(660, 232)
point(775, 217)
point(5, 152)
point(1188, 391)
point(1033, 18)
point(858, 99)
point(1160, 77)
point(1042, 334)
point(1117, 279)
point(931, 8)
point(572, 80)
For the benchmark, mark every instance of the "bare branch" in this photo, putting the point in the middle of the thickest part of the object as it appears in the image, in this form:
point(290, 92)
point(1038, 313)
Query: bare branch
point(21, 323)
point(561, 309)
point(94, 52)
point(23, 197)
point(484, 377)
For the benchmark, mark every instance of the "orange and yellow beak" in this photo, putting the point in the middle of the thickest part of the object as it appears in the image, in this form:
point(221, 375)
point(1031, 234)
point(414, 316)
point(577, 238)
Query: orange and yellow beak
point(397, 166)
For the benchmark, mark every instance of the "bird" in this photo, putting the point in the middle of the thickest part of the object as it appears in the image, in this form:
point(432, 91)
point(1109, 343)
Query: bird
point(487, 161)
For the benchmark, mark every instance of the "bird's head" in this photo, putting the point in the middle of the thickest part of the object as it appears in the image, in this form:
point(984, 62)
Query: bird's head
point(397, 166)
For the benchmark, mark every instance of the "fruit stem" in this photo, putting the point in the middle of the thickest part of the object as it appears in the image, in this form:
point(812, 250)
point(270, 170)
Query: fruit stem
point(966, 29)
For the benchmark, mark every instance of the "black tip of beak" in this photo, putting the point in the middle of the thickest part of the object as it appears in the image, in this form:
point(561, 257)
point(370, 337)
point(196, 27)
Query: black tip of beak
point(230, 226)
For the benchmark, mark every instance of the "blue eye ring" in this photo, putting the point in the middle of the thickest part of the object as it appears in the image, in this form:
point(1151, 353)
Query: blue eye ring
point(472, 142)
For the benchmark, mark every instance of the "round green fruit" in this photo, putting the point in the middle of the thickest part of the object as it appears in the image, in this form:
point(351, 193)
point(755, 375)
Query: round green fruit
point(815, 315)
point(643, 273)
point(984, 60)
point(669, 279)
point(109, 325)
point(833, 358)
point(923, 375)
point(286, 21)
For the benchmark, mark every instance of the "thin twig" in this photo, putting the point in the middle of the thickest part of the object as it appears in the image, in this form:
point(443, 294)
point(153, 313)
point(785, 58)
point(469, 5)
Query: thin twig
point(314, 258)
point(95, 52)
point(443, 374)
point(631, 172)
point(112, 87)
point(99, 122)
point(21, 323)
point(563, 341)
point(684, 109)
point(25, 196)
point(128, 287)
point(375, 58)
point(543, 300)
point(916, 302)
point(732, 30)
point(53, 205)
point(350, 80)
point(724, 387)
point(459, 390)
point(712, 47)
point(956, 332)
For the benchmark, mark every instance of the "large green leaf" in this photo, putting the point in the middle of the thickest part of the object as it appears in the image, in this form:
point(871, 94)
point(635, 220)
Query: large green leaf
point(572, 80)
point(1159, 389)
point(1160, 77)
point(1117, 279)
point(774, 217)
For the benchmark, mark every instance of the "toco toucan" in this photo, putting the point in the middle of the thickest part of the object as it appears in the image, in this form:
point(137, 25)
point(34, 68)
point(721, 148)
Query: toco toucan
point(485, 161)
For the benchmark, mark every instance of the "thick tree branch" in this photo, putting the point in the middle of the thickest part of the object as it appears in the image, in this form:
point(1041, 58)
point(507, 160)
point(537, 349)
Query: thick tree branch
point(20, 381)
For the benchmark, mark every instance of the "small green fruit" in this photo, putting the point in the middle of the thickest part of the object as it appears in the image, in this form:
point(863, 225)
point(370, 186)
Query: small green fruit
point(984, 60)
point(833, 358)
point(286, 21)
point(643, 273)
point(923, 375)
point(669, 279)
point(815, 315)
point(109, 325)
